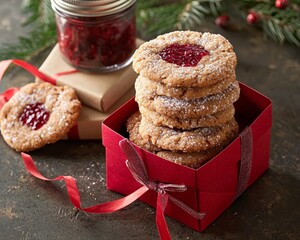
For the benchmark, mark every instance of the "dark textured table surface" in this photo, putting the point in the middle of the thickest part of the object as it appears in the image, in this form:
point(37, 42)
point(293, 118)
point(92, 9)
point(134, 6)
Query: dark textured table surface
point(269, 209)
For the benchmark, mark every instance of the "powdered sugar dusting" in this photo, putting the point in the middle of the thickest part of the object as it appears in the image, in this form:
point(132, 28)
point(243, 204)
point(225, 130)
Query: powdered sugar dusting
point(60, 103)
point(220, 63)
point(186, 109)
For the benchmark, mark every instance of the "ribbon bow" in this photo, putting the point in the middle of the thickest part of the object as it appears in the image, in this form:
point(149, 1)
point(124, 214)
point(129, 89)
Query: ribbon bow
point(138, 169)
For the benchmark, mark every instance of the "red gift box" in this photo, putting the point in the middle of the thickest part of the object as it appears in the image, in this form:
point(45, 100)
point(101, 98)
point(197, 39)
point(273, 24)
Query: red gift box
point(212, 187)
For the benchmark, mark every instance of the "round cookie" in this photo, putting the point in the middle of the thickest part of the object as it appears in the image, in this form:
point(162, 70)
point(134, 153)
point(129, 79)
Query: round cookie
point(193, 160)
point(133, 125)
point(185, 93)
point(195, 140)
point(215, 119)
point(188, 108)
point(38, 114)
point(219, 64)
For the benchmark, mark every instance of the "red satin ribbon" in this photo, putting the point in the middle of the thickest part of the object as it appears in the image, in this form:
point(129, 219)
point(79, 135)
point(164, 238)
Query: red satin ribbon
point(4, 97)
point(137, 168)
point(57, 75)
point(74, 132)
point(74, 195)
point(30, 68)
point(107, 207)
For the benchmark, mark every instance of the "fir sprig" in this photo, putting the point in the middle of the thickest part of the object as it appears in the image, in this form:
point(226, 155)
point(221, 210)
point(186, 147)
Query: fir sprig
point(279, 24)
point(38, 11)
point(43, 35)
point(156, 17)
point(27, 47)
point(151, 24)
point(195, 12)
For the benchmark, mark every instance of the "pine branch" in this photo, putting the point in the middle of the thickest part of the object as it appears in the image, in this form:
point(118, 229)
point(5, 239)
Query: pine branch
point(39, 11)
point(43, 35)
point(281, 25)
point(195, 12)
point(31, 45)
point(176, 15)
point(153, 25)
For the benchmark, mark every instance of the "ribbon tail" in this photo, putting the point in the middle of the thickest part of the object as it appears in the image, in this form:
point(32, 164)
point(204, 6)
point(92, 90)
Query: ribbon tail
point(70, 182)
point(74, 194)
point(117, 204)
point(186, 208)
point(161, 224)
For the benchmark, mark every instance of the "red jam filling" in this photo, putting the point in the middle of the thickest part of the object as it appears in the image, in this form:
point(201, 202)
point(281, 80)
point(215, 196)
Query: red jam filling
point(91, 45)
point(186, 55)
point(34, 115)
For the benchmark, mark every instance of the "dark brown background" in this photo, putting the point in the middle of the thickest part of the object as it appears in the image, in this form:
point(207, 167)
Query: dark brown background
point(269, 209)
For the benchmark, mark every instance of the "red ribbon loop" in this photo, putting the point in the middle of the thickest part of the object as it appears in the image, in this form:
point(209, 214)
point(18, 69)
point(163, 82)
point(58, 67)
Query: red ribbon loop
point(4, 97)
point(138, 169)
point(32, 69)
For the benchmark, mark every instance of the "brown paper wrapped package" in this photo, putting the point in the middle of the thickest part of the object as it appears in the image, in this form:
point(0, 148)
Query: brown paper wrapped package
point(89, 122)
point(99, 91)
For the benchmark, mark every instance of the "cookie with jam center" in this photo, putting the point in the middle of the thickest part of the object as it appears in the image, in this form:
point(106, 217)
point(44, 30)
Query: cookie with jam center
point(186, 59)
point(38, 114)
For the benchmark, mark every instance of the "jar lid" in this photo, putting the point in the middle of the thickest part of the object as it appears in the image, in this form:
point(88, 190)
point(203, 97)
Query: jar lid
point(91, 8)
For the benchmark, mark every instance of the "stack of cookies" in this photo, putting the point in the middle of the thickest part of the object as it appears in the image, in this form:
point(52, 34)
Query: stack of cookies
point(185, 92)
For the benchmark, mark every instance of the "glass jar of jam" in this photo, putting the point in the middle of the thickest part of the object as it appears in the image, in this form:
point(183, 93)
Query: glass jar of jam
point(96, 35)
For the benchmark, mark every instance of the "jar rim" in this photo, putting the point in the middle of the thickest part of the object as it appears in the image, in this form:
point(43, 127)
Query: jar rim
point(91, 8)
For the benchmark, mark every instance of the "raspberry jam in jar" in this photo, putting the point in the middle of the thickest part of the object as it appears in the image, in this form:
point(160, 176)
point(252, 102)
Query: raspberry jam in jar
point(96, 35)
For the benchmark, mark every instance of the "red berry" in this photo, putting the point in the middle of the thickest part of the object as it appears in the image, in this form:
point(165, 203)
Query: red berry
point(186, 55)
point(86, 44)
point(222, 20)
point(281, 4)
point(252, 18)
point(34, 115)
